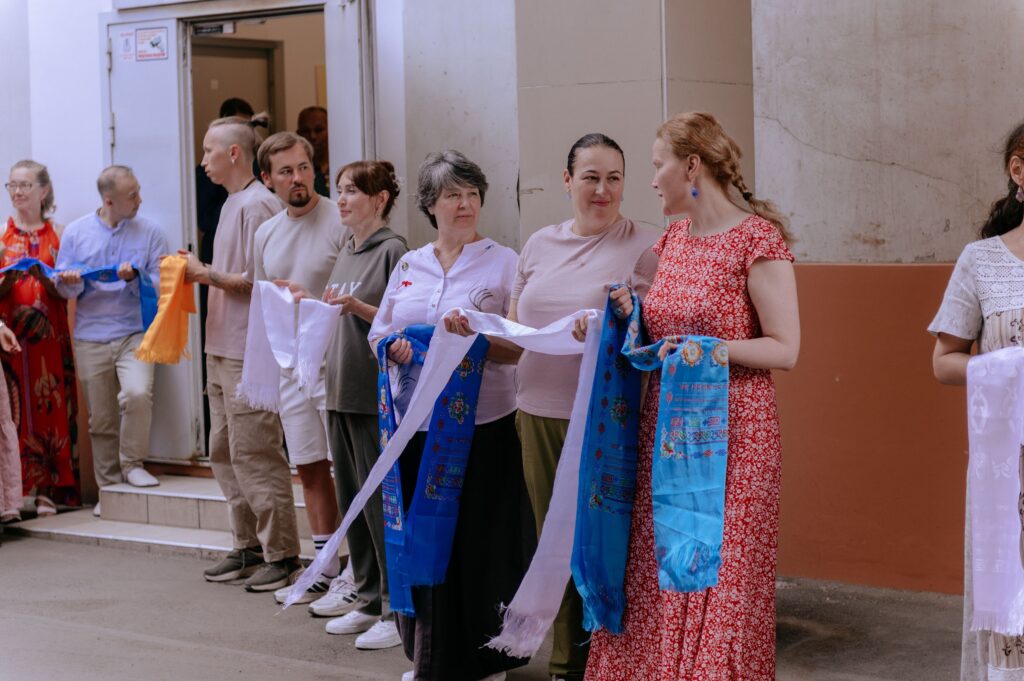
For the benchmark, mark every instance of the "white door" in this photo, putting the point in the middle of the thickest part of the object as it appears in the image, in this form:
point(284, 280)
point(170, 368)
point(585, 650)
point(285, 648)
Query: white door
point(144, 105)
point(349, 78)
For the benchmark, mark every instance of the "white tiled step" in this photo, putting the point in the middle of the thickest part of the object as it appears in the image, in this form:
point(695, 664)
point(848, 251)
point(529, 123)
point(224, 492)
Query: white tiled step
point(82, 528)
point(180, 501)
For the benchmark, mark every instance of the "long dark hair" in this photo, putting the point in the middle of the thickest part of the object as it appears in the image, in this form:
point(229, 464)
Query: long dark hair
point(1007, 212)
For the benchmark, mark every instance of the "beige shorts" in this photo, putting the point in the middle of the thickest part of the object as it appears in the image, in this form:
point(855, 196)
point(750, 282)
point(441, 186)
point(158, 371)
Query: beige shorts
point(304, 420)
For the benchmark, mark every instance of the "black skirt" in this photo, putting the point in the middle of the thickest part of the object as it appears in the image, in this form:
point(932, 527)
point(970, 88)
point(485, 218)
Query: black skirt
point(494, 542)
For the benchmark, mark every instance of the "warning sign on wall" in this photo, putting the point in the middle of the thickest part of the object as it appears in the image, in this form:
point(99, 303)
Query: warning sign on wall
point(150, 43)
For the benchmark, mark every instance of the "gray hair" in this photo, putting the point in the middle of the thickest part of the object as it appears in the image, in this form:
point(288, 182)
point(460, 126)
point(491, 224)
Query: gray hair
point(107, 182)
point(446, 170)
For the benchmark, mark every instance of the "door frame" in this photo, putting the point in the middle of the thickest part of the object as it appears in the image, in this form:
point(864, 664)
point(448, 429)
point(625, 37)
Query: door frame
point(350, 113)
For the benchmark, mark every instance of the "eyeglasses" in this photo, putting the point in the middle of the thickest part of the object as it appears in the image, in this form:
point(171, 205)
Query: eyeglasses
point(23, 186)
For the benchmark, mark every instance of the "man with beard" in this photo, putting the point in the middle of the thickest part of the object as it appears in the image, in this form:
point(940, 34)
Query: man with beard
point(300, 245)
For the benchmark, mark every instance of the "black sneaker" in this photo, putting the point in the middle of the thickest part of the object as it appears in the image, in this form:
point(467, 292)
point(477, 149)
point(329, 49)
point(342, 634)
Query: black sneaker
point(272, 576)
point(238, 563)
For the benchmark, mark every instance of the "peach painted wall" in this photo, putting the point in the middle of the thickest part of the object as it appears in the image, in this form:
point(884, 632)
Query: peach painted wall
point(874, 449)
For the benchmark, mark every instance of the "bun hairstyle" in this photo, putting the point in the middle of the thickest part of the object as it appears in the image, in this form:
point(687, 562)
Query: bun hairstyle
point(372, 178)
point(47, 205)
point(1007, 212)
point(700, 133)
point(593, 139)
point(241, 130)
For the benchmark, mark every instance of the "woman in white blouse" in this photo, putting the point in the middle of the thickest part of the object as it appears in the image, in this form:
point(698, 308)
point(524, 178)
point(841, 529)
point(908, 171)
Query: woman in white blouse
point(494, 537)
point(984, 304)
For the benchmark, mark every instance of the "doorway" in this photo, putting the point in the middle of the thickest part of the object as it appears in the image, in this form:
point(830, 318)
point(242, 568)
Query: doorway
point(274, 64)
point(149, 111)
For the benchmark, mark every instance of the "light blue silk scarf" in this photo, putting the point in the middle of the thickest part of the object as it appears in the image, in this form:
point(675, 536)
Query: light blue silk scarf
point(148, 296)
point(688, 466)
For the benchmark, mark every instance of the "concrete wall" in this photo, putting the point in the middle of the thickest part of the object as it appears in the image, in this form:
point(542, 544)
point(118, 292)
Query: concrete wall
point(584, 71)
point(879, 122)
point(460, 92)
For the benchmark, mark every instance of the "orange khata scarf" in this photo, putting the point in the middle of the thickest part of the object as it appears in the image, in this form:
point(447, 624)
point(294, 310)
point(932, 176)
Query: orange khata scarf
point(165, 341)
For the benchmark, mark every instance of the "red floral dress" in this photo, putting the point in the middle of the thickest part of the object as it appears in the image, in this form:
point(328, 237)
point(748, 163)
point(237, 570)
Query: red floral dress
point(724, 633)
point(41, 378)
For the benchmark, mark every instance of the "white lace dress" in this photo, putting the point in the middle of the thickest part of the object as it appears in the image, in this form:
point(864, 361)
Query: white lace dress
point(984, 302)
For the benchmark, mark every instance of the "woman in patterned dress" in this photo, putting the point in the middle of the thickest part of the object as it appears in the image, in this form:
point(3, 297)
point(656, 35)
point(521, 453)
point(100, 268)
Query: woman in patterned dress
point(40, 379)
point(724, 271)
point(984, 304)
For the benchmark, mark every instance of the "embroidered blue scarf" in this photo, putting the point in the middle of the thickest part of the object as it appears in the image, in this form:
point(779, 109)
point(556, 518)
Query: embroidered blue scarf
point(688, 466)
point(147, 294)
point(419, 543)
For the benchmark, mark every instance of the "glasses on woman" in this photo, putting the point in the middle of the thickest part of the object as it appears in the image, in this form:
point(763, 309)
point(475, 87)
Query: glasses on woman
point(23, 186)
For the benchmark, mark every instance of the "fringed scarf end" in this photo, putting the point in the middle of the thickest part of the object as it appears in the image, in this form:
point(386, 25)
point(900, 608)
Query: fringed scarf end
point(521, 635)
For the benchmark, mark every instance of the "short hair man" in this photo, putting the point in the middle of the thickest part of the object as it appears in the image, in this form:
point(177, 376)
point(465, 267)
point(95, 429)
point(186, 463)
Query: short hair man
point(312, 127)
point(300, 245)
point(246, 451)
point(108, 325)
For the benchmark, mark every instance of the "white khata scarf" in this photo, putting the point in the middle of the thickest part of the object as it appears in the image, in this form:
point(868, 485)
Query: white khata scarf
point(283, 335)
point(530, 614)
point(995, 425)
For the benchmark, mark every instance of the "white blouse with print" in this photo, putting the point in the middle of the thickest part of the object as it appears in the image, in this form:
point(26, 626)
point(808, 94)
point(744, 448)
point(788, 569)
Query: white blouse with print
point(420, 292)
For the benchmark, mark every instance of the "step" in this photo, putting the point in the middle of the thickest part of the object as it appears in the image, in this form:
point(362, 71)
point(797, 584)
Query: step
point(181, 501)
point(81, 527)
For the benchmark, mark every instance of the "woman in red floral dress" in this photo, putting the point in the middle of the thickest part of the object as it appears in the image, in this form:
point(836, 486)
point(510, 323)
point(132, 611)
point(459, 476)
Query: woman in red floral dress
point(41, 378)
point(724, 272)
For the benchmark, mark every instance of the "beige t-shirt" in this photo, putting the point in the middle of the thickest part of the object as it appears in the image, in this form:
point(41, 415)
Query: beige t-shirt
point(301, 249)
point(228, 315)
point(559, 273)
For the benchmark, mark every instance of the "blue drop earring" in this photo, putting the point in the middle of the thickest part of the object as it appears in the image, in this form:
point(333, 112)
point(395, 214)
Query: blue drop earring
point(693, 191)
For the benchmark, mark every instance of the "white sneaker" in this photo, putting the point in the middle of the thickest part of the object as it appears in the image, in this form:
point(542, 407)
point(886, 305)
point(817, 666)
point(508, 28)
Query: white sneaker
point(96, 510)
point(383, 634)
point(140, 477)
point(317, 589)
point(409, 676)
point(353, 623)
point(341, 598)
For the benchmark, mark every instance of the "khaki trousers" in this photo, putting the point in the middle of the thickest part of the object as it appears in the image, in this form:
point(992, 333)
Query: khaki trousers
point(119, 394)
point(542, 439)
point(249, 462)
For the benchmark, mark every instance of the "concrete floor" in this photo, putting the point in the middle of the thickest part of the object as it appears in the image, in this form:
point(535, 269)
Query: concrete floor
point(70, 611)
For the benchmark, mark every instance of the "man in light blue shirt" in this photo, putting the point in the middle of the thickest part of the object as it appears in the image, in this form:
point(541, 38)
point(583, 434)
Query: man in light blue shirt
point(108, 325)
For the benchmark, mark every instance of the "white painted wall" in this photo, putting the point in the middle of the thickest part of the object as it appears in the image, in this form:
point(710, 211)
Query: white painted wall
point(66, 65)
point(15, 79)
point(879, 123)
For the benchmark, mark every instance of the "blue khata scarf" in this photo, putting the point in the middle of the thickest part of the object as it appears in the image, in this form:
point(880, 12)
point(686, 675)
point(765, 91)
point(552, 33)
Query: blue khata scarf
point(688, 466)
point(147, 294)
point(419, 543)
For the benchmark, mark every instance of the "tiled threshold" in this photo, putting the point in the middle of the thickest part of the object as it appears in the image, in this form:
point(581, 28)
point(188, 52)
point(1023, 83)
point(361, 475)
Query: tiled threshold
point(181, 516)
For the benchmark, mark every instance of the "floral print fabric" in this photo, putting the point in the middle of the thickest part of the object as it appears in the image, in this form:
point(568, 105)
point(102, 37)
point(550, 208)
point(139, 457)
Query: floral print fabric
point(725, 632)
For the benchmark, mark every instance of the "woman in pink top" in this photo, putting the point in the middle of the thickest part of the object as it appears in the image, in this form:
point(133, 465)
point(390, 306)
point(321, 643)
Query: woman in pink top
point(564, 268)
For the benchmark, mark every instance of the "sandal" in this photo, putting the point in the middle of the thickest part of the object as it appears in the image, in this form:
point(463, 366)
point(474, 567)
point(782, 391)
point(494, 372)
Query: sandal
point(45, 506)
point(11, 515)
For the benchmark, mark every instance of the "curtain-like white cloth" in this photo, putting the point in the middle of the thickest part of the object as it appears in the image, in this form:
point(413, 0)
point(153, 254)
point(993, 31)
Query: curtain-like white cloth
point(531, 613)
point(995, 417)
point(283, 335)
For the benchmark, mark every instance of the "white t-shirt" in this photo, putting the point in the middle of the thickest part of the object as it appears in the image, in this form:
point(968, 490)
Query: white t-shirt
point(419, 292)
